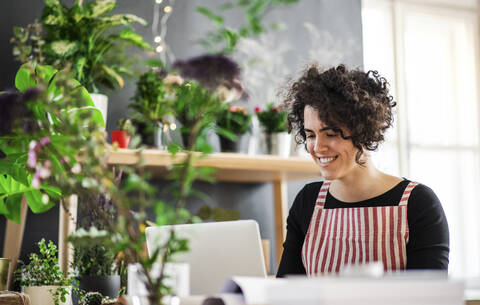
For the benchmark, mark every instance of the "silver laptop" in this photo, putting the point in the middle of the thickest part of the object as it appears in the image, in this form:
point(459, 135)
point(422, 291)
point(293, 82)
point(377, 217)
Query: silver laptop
point(218, 251)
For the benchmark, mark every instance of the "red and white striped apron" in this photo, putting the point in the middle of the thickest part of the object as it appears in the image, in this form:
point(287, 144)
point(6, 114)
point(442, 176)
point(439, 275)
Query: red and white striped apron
point(346, 236)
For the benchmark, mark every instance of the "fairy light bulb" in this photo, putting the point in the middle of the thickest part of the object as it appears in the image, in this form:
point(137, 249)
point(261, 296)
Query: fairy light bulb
point(157, 39)
point(173, 126)
point(159, 49)
point(167, 9)
point(158, 1)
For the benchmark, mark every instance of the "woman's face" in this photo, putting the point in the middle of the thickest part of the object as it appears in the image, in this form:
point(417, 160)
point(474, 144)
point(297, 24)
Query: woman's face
point(334, 155)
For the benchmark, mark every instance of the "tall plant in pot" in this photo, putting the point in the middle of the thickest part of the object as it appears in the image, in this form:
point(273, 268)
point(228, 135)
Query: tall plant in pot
point(273, 121)
point(84, 35)
point(94, 261)
point(153, 103)
point(42, 278)
point(233, 122)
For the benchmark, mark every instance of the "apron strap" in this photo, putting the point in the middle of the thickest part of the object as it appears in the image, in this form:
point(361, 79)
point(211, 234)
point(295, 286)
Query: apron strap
point(407, 192)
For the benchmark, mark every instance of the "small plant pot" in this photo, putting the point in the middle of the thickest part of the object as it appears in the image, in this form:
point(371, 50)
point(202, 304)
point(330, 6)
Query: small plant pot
point(43, 295)
point(121, 137)
point(107, 285)
point(227, 145)
point(277, 143)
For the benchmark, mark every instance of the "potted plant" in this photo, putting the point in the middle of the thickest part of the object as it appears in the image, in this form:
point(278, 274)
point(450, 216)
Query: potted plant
point(273, 121)
point(124, 132)
point(233, 121)
point(153, 103)
point(84, 35)
point(76, 136)
point(42, 278)
point(94, 266)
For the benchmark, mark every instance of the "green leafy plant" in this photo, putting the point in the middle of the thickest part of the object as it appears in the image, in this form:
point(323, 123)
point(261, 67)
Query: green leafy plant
point(152, 104)
point(36, 154)
point(127, 126)
point(82, 35)
point(224, 38)
point(93, 298)
point(71, 125)
point(273, 119)
point(43, 270)
point(234, 119)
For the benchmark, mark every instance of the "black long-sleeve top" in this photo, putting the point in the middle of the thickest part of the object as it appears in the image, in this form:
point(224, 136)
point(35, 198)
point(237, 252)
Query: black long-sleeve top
point(428, 244)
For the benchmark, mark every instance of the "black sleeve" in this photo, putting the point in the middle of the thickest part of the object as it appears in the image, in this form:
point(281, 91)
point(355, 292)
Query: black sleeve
point(428, 244)
point(298, 221)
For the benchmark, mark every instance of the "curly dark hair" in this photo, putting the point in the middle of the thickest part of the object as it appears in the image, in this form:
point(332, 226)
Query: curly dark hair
point(352, 99)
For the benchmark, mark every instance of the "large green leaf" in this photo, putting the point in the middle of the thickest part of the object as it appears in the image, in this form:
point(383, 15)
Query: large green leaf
point(97, 8)
point(63, 48)
point(132, 37)
point(45, 72)
point(11, 192)
point(113, 75)
point(17, 171)
point(13, 206)
point(34, 200)
point(24, 79)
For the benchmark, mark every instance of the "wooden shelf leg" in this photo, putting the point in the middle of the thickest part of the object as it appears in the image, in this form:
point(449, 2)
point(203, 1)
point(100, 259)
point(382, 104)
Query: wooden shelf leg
point(12, 243)
point(280, 207)
point(67, 225)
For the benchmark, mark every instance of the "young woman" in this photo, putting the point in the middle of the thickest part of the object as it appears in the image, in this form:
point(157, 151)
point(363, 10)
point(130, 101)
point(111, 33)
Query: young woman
point(358, 214)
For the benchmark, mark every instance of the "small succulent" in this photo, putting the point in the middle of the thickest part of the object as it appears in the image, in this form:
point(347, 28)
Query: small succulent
point(93, 298)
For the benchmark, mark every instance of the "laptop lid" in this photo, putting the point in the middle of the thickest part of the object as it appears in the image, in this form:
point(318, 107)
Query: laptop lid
point(218, 251)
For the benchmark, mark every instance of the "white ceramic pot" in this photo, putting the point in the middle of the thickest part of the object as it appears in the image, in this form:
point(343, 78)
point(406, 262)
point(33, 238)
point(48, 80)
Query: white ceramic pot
point(278, 143)
point(178, 278)
point(101, 102)
point(43, 295)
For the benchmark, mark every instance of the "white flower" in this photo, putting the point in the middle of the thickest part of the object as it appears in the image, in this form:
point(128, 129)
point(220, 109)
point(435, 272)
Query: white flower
point(77, 168)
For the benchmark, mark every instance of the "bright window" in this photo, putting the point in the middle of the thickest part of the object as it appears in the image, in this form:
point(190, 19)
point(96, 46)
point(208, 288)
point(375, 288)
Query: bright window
point(428, 51)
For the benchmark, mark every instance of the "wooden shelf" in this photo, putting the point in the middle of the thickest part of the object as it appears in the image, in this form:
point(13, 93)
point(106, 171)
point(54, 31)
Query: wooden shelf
point(231, 167)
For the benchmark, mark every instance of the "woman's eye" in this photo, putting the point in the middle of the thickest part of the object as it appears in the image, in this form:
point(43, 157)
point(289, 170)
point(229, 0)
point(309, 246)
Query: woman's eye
point(310, 136)
point(331, 135)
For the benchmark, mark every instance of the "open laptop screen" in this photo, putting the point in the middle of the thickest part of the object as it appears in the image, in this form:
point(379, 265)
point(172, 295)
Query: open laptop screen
point(218, 251)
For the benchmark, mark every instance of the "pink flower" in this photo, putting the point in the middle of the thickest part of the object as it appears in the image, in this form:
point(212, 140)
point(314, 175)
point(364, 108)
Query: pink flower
point(36, 182)
point(257, 109)
point(32, 158)
point(44, 141)
point(233, 108)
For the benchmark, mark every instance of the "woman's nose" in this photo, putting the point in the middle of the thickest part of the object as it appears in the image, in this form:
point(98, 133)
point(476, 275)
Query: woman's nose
point(320, 146)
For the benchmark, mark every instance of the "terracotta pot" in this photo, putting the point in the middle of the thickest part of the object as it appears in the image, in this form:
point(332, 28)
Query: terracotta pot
point(120, 136)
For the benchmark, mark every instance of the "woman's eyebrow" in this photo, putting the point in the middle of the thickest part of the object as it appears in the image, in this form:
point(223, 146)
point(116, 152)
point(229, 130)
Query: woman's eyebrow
point(323, 129)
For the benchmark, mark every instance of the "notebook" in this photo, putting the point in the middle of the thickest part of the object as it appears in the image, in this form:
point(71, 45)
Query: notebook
point(218, 251)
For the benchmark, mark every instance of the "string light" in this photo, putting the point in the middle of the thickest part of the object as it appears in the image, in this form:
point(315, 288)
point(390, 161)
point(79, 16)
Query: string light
point(159, 29)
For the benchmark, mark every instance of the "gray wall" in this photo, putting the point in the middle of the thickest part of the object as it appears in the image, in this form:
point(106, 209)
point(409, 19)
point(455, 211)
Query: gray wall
point(333, 36)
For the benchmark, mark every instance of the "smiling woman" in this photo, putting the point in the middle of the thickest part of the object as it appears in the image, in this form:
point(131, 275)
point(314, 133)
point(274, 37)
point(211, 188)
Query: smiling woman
point(358, 214)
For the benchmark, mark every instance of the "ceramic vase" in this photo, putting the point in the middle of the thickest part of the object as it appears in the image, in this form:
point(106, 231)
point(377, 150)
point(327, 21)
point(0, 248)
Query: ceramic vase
point(101, 102)
point(278, 143)
point(43, 295)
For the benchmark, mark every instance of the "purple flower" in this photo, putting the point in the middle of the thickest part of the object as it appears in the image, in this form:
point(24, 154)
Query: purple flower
point(210, 70)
